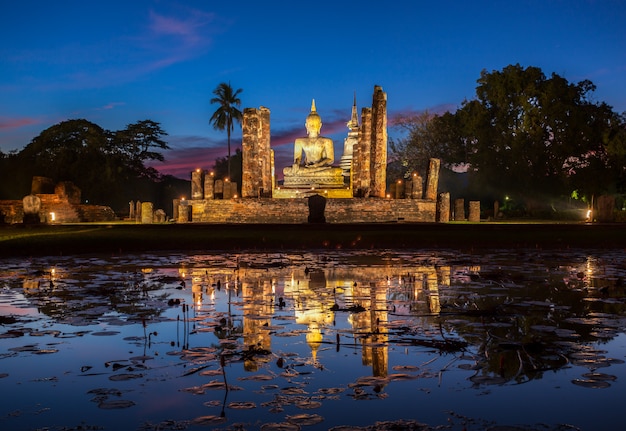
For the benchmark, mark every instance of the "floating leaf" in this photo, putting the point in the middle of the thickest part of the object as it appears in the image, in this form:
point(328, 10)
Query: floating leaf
point(115, 404)
point(124, 377)
point(282, 426)
point(208, 420)
point(593, 384)
point(305, 419)
point(242, 405)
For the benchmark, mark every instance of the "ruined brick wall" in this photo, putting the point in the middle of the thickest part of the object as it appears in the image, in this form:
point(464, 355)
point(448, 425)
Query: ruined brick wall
point(297, 210)
point(256, 163)
point(379, 143)
point(361, 160)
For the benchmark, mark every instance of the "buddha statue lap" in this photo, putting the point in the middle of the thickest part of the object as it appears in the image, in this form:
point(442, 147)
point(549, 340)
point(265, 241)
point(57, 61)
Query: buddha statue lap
point(315, 168)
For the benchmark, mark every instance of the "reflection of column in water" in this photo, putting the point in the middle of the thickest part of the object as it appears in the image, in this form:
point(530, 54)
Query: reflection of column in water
point(379, 318)
point(373, 321)
point(430, 284)
point(257, 310)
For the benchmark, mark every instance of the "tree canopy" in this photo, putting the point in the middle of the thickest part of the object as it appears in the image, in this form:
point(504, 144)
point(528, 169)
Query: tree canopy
point(109, 167)
point(526, 135)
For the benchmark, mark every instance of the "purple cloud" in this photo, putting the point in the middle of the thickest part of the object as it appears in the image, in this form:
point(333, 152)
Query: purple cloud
point(7, 123)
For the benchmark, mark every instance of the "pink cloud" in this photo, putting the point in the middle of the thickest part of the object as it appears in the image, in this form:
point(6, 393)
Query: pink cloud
point(189, 30)
point(15, 123)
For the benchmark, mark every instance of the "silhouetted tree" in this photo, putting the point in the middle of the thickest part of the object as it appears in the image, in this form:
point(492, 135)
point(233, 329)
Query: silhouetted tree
point(227, 113)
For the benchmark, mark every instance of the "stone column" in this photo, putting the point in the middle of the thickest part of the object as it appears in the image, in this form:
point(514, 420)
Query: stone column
point(459, 209)
point(379, 143)
point(417, 191)
point(175, 205)
point(196, 184)
point(443, 208)
point(408, 189)
point(147, 214)
point(362, 160)
point(219, 189)
point(228, 191)
point(474, 211)
point(138, 212)
point(209, 185)
point(183, 212)
point(432, 182)
point(399, 189)
point(255, 148)
point(131, 210)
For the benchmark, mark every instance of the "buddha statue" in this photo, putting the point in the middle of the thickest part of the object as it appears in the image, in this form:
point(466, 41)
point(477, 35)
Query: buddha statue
point(313, 156)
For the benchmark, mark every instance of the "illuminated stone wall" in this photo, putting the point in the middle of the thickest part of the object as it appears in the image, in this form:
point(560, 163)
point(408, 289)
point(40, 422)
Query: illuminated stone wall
point(297, 210)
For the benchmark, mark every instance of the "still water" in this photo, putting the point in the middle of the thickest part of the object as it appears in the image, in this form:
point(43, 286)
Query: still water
point(504, 340)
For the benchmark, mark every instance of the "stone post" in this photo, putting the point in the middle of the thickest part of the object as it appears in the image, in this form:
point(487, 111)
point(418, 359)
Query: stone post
point(474, 211)
point(147, 215)
point(196, 184)
point(496, 209)
point(399, 189)
point(183, 212)
point(209, 185)
point(408, 189)
point(227, 190)
point(219, 189)
point(605, 206)
point(459, 209)
point(417, 188)
point(233, 190)
point(138, 212)
point(175, 205)
point(443, 208)
point(432, 182)
point(131, 210)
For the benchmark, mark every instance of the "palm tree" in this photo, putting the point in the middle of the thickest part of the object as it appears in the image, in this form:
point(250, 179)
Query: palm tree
point(227, 112)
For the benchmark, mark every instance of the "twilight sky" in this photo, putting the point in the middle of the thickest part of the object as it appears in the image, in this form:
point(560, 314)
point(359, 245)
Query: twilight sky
point(118, 62)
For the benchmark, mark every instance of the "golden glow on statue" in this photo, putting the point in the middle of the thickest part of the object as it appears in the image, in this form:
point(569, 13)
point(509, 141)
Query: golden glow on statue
point(318, 151)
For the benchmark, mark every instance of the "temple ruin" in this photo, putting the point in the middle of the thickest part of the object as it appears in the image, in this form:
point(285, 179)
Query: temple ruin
point(355, 191)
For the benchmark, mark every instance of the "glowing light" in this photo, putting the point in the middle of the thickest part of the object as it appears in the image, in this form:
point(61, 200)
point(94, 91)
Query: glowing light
point(589, 214)
point(52, 216)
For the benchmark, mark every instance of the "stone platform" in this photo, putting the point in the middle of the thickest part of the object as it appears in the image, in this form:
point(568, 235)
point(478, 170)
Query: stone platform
point(293, 192)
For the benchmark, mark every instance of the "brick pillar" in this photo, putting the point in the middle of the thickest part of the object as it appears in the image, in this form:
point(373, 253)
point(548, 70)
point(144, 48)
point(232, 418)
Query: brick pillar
point(459, 209)
point(379, 143)
point(474, 211)
point(209, 185)
point(432, 182)
point(443, 208)
point(417, 188)
point(256, 163)
point(362, 179)
point(196, 184)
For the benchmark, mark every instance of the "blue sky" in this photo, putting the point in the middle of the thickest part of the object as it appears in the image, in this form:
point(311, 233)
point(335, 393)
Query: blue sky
point(118, 62)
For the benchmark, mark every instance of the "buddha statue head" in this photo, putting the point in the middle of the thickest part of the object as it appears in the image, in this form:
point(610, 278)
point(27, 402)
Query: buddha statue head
point(313, 121)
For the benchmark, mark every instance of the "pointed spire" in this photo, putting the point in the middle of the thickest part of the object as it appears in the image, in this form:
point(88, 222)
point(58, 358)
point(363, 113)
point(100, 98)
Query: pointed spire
point(313, 106)
point(354, 120)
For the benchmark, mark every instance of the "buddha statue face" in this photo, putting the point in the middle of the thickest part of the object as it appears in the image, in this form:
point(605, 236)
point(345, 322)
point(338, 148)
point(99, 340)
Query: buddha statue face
point(313, 124)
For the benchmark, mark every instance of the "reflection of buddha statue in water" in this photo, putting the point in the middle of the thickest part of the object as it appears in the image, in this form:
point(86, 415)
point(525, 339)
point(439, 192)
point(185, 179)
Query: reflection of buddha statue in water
point(313, 155)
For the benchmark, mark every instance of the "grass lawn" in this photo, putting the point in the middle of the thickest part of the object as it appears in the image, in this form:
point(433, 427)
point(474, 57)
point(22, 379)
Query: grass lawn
point(116, 238)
